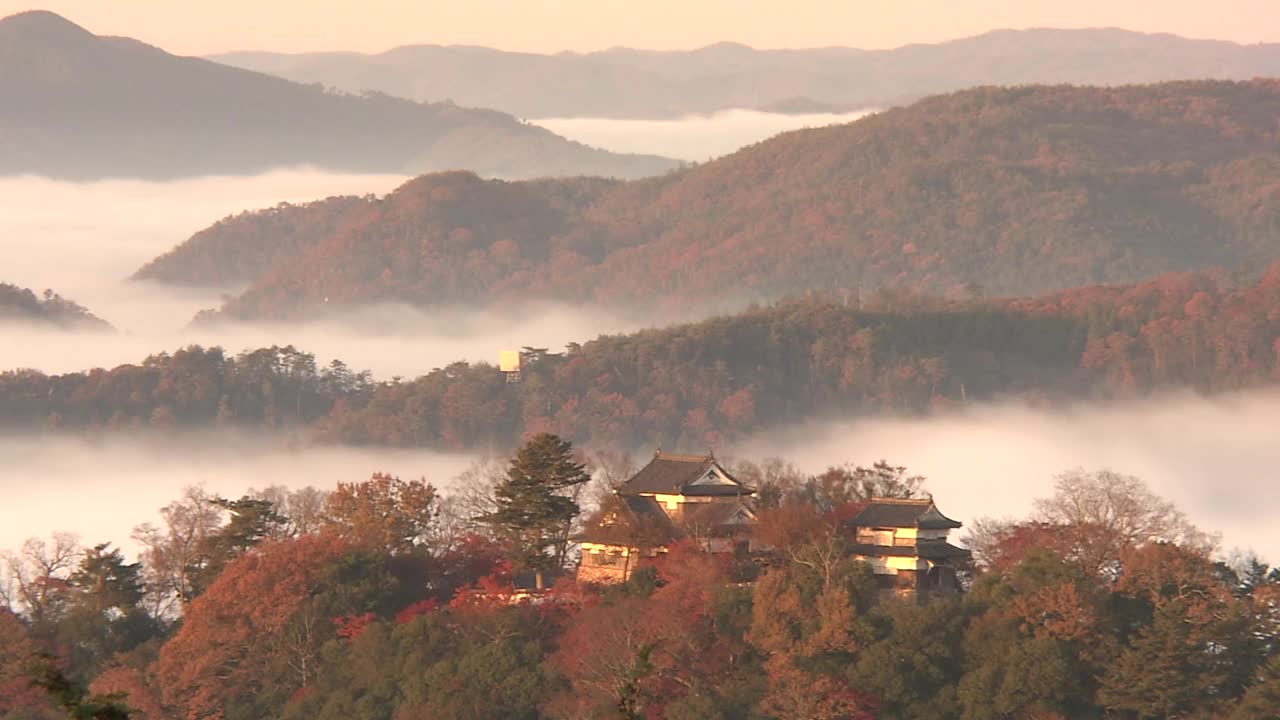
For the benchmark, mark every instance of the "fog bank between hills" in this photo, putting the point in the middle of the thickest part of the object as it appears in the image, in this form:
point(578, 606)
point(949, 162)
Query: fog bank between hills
point(692, 138)
point(1216, 458)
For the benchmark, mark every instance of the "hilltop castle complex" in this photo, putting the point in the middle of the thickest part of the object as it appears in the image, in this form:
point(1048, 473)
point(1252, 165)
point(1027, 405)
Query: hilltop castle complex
point(694, 498)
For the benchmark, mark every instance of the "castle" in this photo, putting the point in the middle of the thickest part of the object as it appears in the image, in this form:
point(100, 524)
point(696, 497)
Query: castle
point(693, 497)
point(672, 498)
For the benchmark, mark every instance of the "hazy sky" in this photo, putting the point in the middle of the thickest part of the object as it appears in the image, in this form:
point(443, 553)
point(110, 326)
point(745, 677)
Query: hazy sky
point(205, 26)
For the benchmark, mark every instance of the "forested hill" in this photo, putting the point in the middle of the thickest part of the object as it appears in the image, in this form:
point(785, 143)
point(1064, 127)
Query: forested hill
point(709, 383)
point(1002, 191)
point(77, 105)
point(22, 305)
point(437, 238)
point(624, 82)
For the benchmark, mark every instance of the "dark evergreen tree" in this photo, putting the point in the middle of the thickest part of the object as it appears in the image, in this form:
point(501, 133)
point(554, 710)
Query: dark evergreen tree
point(104, 580)
point(250, 521)
point(103, 616)
point(912, 661)
point(71, 697)
point(1262, 701)
point(1172, 669)
point(534, 510)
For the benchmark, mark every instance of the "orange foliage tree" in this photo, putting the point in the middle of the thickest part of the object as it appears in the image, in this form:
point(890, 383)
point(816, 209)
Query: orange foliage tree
point(255, 630)
point(635, 655)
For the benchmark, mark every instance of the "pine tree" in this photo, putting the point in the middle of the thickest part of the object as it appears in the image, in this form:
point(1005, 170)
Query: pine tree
point(106, 581)
point(73, 698)
point(1263, 699)
point(1169, 670)
point(533, 513)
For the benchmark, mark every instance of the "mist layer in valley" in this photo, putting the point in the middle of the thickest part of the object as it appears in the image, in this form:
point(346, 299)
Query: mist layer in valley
point(101, 489)
point(694, 138)
point(84, 240)
point(1217, 458)
point(1214, 458)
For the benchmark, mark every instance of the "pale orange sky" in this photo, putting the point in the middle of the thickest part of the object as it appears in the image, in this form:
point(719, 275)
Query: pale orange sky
point(207, 26)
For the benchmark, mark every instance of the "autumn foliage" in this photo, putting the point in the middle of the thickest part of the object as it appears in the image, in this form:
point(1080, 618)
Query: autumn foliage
point(992, 191)
point(1106, 602)
point(255, 623)
point(691, 385)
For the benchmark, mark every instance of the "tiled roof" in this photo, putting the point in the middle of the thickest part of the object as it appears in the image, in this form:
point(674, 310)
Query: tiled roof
point(925, 550)
point(676, 474)
point(640, 520)
point(715, 514)
point(902, 513)
point(941, 551)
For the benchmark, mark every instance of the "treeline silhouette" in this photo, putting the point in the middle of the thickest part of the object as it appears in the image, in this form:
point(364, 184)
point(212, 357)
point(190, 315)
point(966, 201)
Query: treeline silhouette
point(1004, 191)
point(706, 383)
point(48, 308)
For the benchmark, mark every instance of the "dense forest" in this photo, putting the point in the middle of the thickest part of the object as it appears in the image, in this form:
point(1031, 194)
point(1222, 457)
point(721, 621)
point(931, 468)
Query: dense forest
point(386, 600)
point(708, 383)
point(440, 218)
point(1002, 191)
point(80, 106)
point(49, 308)
point(626, 82)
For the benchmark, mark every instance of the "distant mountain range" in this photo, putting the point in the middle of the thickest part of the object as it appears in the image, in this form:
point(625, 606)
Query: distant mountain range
point(80, 106)
point(987, 191)
point(640, 83)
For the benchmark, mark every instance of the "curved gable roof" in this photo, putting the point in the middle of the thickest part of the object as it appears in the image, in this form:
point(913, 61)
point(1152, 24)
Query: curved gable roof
point(903, 513)
point(683, 475)
point(630, 520)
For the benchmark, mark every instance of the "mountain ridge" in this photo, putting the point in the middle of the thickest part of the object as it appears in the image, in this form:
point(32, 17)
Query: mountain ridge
point(81, 106)
point(998, 191)
point(628, 82)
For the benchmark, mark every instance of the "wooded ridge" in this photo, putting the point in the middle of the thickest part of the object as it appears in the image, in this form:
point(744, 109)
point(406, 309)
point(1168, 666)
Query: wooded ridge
point(49, 308)
point(990, 191)
point(707, 383)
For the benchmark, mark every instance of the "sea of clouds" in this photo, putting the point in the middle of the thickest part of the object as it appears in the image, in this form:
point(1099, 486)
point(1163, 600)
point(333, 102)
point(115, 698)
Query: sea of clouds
point(101, 488)
point(1216, 458)
point(84, 240)
point(695, 138)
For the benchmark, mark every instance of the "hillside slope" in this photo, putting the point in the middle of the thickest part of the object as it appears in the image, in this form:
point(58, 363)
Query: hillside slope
point(18, 304)
point(76, 105)
point(639, 83)
point(989, 191)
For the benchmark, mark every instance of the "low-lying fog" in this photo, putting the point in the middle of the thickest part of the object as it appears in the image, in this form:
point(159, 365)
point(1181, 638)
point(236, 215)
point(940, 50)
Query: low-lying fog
point(389, 340)
point(1217, 459)
point(84, 240)
point(696, 138)
point(102, 488)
